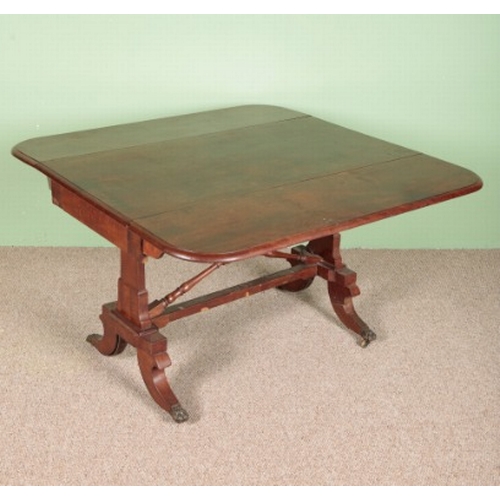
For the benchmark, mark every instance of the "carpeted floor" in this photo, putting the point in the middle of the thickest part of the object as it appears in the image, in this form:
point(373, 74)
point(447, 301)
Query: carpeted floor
point(278, 391)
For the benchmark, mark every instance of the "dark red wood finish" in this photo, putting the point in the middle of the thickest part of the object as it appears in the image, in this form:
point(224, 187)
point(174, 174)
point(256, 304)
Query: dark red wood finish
point(227, 185)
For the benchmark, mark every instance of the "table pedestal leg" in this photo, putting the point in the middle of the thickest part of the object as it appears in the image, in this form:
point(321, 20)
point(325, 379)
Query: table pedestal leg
point(152, 371)
point(128, 322)
point(342, 286)
point(108, 344)
point(297, 285)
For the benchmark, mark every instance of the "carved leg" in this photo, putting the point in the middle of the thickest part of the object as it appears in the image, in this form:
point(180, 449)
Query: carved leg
point(128, 321)
point(109, 344)
point(341, 292)
point(152, 371)
point(342, 286)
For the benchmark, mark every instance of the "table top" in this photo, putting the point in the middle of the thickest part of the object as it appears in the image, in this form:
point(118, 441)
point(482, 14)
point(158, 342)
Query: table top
point(231, 183)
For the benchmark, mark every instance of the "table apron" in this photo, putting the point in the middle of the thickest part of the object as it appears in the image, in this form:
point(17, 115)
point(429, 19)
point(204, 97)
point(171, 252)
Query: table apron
point(87, 213)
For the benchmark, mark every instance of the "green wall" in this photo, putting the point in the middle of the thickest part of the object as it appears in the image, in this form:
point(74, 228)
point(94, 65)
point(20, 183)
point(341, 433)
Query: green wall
point(430, 83)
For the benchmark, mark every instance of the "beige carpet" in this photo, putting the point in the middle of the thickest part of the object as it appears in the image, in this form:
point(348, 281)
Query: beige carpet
point(279, 393)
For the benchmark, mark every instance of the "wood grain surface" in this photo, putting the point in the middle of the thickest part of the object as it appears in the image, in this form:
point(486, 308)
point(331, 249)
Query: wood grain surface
point(229, 184)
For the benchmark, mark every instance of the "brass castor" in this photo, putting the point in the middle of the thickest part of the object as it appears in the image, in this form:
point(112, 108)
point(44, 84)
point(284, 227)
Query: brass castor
point(367, 337)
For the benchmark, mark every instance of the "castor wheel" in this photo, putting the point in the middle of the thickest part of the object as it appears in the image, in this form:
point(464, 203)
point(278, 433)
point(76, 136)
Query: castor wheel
point(367, 337)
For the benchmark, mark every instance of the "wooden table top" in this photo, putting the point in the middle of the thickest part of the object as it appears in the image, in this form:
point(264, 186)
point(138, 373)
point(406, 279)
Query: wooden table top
point(233, 183)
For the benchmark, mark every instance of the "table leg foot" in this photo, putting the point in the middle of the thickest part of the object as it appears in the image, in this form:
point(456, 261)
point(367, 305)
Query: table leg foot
point(178, 413)
point(367, 337)
point(342, 287)
point(341, 292)
point(108, 344)
point(152, 368)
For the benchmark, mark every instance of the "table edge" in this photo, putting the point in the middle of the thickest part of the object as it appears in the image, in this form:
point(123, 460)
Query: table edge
point(297, 238)
point(163, 247)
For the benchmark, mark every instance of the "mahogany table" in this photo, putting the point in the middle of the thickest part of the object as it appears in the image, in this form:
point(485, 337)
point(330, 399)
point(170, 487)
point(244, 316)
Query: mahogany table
point(226, 185)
